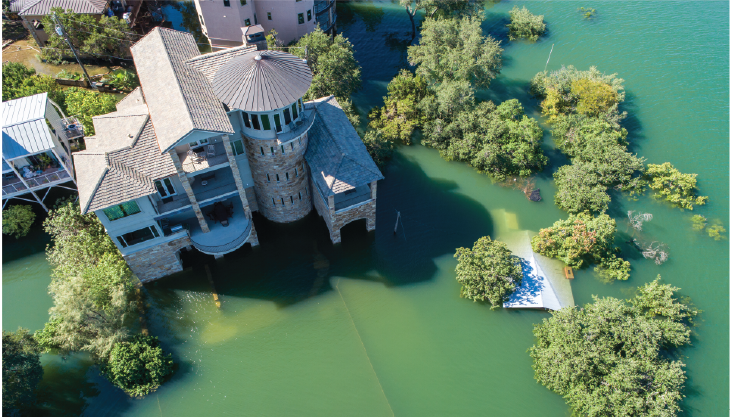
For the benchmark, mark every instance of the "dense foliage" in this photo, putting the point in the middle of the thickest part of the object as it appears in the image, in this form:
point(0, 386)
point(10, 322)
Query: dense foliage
point(607, 359)
point(17, 220)
point(455, 49)
point(86, 104)
point(582, 108)
point(672, 185)
point(21, 81)
point(379, 148)
point(439, 9)
point(400, 114)
point(106, 36)
point(334, 68)
point(488, 271)
point(91, 288)
point(581, 240)
point(525, 25)
point(138, 366)
point(22, 370)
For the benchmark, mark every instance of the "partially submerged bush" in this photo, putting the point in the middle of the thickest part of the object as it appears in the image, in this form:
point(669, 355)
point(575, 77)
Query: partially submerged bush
point(488, 271)
point(138, 366)
point(17, 220)
point(524, 24)
point(677, 188)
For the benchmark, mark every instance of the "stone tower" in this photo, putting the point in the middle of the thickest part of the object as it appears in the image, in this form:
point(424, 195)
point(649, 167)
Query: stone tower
point(267, 88)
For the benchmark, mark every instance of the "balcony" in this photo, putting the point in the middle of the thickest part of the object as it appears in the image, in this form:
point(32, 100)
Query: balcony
point(72, 128)
point(221, 239)
point(352, 197)
point(321, 6)
point(13, 185)
point(204, 161)
point(206, 186)
point(298, 127)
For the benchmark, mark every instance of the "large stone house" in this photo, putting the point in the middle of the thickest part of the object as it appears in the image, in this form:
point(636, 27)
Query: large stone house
point(207, 140)
point(225, 22)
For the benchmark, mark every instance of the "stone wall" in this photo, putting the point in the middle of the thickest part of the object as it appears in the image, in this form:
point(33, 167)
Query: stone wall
point(336, 220)
point(158, 261)
point(280, 177)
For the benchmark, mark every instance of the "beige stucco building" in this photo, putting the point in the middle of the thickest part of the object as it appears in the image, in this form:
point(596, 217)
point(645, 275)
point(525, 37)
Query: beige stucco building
point(209, 139)
point(223, 21)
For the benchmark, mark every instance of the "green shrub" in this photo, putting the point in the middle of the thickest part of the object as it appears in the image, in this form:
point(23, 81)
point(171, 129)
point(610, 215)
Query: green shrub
point(677, 188)
point(17, 220)
point(524, 24)
point(65, 75)
point(138, 366)
point(122, 79)
point(488, 271)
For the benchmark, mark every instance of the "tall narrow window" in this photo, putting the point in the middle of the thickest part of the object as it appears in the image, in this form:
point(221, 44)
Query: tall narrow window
point(301, 106)
point(282, 201)
point(292, 145)
point(309, 15)
point(287, 117)
point(255, 20)
point(165, 188)
point(262, 150)
point(287, 176)
point(265, 121)
point(300, 16)
point(237, 147)
point(245, 119)
point(277, 177)
point(272, 150)
point(247, 22)
point(300, 140)
point(294, 110)
point(273, 201)
point(243, 2)
point(268, 178)
point(227, 3)
point(201, 19)
point(291, 198)
point(268, 15)
point(277, 122)
point(255, 121)
point(282, 149)
point(296, 172)
point(300, 195)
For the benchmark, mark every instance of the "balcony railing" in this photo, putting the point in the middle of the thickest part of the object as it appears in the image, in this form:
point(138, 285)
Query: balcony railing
point(321, 6)
point(202, 160)
point(226, 247)
point(15, 185)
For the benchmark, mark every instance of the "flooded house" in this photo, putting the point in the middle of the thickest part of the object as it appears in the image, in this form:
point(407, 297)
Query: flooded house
point(207, 140)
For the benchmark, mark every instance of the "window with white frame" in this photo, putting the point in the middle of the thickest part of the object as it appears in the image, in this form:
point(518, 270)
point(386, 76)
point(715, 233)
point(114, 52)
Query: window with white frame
point(138, 236)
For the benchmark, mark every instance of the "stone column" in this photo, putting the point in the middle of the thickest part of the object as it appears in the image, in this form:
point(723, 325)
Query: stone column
point(335, 232)
point(254, 239)
point(374, 190)
point(189, 191)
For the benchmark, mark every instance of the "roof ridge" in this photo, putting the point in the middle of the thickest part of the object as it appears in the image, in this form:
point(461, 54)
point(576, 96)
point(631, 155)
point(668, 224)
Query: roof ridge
point(218, 53)
point(129, 172)
point(25, 121)
point(85, 209)
point(29, 6)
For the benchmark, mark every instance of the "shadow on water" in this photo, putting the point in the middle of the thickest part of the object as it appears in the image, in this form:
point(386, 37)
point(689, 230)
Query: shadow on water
point(632, 124)
point(366, 11)
point(295, 260)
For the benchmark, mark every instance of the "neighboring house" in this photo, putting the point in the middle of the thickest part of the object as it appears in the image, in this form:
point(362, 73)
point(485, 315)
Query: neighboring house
point(207, 140)
point(224, 21)
point(35, 148)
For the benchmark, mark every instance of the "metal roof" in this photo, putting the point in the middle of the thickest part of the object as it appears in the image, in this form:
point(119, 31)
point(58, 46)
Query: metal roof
point(43, 7)
point(210, 63)
point(24, 126)
point(262, 81)
point(180, 99)
point(337, 158)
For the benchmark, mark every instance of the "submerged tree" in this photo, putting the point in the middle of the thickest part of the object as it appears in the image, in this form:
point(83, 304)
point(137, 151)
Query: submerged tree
point(22, 370)
point(524, 24)
point(400, 114)
point(606, 359)
point(488, 271)
point(138, 366)
point(677, 188)
point(17, 220)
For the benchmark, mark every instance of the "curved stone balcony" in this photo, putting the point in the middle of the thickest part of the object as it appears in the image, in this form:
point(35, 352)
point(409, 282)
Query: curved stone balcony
point(222, 239)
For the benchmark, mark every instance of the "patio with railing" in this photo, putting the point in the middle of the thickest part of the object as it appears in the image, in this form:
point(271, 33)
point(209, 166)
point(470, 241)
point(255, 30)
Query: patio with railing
point(12, 185)
point(203, 157)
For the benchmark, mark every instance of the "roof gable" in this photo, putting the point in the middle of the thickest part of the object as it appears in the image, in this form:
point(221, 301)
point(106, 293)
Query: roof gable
point(24, 127)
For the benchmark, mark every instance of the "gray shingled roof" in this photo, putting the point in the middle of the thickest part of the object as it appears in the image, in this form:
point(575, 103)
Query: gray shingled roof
point(132, 99)
point(24, 126)
point(43, 7)
point(262, 81)
point(116, 168)
point(180, 99)
point(209, 64)
point(336, 156)
point(16, 6)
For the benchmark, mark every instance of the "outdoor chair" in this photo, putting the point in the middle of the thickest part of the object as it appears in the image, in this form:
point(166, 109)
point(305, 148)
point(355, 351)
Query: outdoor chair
point(195, 157)
point(211, 150)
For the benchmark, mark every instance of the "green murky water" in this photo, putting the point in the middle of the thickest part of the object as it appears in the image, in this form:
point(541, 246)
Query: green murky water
point(375, 326)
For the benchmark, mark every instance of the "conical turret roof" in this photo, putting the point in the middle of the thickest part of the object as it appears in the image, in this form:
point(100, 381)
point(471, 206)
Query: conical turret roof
point(262, 81)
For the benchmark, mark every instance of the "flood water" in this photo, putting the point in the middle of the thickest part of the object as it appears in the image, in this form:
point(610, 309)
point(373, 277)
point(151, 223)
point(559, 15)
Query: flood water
point(375, 326)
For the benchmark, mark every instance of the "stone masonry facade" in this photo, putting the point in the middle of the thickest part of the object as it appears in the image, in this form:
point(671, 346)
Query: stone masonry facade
point(281, 177)
point(158, 261)
point(336, 220)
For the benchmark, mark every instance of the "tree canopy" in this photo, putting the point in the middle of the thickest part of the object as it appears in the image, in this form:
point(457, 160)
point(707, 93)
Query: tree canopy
point(21, 81)
point(86, 104)
point(488, 271)
point(22, 370)
point(524, 24)
point(456, 49)
point(138, 366)
point(677, 188)
point(17, 220)
point(400, 114)
point(607, 359)
point(334, 68)
point(581, 240)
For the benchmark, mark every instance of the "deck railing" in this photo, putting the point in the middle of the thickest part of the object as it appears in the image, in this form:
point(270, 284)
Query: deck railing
point(38, 181)
point(225, 248)
point(321, 6)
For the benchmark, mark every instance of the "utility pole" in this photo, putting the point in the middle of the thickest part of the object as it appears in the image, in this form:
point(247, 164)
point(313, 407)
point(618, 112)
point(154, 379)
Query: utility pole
point(62, 32)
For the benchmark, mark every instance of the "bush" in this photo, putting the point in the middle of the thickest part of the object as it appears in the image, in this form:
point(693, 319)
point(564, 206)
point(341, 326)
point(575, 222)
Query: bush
point(524, 24)
point(138, 366)
point(609, 358)
point(582, 240)
point(17, 220)
point(677, 188)
point(122, 79)
point(488, 271)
